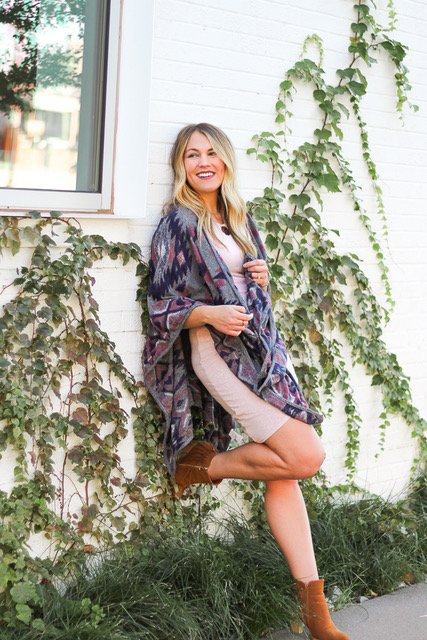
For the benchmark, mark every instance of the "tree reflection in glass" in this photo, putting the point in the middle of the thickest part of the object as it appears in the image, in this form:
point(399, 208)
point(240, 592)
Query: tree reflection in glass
point(52, 68)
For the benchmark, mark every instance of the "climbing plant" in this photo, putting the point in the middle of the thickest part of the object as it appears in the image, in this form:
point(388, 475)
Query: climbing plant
point(62, 415)
point(310, 277)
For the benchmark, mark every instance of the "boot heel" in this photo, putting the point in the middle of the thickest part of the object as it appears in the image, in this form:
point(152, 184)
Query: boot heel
point(315, 612)
point(296, 626)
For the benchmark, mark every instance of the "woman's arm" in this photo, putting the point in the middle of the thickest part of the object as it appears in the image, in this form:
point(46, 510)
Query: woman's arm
point(227, 318)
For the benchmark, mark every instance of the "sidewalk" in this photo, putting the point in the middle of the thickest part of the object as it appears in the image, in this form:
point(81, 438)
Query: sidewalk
point(401, 615)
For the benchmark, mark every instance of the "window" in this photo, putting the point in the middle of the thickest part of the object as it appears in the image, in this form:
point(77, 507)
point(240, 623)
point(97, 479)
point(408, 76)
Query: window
point(58, 61)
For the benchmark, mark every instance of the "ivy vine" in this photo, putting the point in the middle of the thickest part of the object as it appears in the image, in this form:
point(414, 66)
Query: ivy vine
point(311, 278)
point(61, 414)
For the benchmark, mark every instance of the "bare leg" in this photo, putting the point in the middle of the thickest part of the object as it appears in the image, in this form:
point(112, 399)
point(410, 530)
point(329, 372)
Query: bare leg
point(288, 520)
point(293, 452)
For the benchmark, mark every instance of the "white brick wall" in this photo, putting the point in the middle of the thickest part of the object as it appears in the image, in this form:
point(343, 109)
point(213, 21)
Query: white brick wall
point(221, 61)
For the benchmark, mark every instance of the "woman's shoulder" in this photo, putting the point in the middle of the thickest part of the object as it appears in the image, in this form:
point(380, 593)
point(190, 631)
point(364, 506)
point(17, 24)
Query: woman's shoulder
point(179, 222)
point(181, 216)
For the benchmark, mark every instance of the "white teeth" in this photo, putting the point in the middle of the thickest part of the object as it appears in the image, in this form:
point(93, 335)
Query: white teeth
point(205, 175)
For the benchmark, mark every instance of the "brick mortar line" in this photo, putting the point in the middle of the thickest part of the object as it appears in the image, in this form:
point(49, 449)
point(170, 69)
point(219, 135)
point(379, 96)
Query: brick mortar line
point(249, 35)
point(250, 90)
point(254, 17)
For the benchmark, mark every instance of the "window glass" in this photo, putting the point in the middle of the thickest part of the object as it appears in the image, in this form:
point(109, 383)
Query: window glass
point(52, 77)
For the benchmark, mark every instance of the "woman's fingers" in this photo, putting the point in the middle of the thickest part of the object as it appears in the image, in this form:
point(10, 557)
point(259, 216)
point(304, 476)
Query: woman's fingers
point(255, 264)
point(241, 312)
point(230, 319)
point(258, 270)
point(241, 317)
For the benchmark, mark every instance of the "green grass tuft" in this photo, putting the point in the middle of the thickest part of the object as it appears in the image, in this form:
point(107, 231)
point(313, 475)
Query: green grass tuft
point(235, 585)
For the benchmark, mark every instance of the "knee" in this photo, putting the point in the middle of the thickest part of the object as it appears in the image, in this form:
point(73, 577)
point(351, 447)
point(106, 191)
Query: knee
point(307, 463)
point(299, 450)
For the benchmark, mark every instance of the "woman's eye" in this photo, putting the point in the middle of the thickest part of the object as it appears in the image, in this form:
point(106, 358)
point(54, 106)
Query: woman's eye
point(212, 153)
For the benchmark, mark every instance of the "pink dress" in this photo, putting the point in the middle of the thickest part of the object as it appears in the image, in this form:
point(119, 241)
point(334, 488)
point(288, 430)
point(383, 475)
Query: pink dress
point(258, 419)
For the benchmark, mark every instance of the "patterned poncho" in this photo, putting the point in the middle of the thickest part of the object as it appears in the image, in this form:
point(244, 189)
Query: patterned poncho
point(187, 271)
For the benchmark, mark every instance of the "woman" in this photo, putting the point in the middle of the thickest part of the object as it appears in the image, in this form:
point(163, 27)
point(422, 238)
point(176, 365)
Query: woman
point(212, 343)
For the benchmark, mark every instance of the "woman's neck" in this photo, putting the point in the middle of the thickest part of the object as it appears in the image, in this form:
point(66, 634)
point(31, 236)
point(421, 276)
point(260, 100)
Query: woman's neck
point(210, 200)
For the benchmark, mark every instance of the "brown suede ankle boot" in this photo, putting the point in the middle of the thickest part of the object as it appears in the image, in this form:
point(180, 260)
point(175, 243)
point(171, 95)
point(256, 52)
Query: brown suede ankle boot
point(192, 468)
point(315, 612)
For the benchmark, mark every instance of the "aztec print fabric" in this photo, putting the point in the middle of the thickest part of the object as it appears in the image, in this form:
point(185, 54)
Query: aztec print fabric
point(186, 271)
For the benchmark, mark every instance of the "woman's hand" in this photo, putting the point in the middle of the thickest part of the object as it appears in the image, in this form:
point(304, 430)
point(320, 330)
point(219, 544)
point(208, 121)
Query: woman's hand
point(259, 271)
point(228, 318)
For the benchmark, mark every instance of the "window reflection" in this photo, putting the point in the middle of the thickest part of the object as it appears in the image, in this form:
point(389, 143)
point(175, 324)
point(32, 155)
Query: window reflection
point(52, 61)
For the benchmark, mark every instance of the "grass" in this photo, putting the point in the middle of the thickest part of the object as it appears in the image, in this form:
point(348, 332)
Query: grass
point(372, 545)
point(235, 586)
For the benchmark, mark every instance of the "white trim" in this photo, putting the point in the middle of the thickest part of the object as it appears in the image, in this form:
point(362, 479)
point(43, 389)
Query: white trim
point(18, 200)
point(131, 156)
point(110, 104)
point(25, 199)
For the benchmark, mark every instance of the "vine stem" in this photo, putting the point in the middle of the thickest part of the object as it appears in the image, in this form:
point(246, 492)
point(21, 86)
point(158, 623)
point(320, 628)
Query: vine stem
point(287, 228)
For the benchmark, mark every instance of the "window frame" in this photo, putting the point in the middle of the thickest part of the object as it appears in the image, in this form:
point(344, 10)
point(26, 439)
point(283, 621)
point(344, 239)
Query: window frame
point(19, 200)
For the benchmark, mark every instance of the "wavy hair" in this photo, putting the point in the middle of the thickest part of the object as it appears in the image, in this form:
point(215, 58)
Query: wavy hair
point(230, 202)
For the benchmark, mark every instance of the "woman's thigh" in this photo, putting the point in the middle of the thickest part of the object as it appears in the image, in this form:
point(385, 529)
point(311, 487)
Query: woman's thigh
point(298, 444)
point(257, 417)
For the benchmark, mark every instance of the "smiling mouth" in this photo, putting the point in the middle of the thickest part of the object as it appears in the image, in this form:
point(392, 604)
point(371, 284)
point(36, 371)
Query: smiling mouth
point(205, 174)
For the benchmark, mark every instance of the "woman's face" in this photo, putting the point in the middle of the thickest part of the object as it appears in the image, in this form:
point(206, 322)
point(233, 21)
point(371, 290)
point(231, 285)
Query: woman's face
point(205, 171)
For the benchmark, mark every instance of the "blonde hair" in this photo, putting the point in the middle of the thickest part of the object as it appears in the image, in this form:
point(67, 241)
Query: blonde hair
point(229, 199)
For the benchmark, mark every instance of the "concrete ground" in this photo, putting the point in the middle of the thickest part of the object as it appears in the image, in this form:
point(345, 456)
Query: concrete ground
point(401, 615)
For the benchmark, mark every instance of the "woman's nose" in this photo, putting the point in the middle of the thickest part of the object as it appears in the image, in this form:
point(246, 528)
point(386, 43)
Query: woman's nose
point(204, 160)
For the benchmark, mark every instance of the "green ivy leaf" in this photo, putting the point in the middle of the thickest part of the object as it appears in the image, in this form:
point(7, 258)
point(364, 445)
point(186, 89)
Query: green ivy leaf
point(300, 200)
point(38, 624)
point(363, 9)
point(319, 95)
point(356, 88)
point(331, 182)
point(346, 73)
point(394, 50)
point(272, 242)
point(344, 109)
point(45, 313)
point(322, 134)
point(359, 28)
point(44, 330)
point(377, 379)
point(360, 48)
point(23, 592)
point(23, 613)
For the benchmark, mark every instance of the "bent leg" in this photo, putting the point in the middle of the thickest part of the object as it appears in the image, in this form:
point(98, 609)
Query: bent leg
point(299, 446)
point(293, 452)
